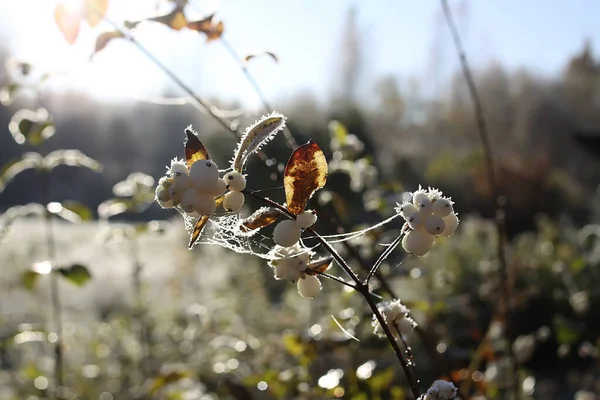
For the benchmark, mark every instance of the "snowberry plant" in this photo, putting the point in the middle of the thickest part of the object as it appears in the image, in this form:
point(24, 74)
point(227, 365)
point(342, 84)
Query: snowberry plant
point(211, 199)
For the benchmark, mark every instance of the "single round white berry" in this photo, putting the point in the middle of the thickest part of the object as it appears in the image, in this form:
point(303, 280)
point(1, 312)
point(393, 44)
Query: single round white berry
point(442, 207)
point(204, 175)
point(162, 194)
point(304, 258)
point(309, 286)
point(219, 188)
point(286, 233)
point(205, 204)
point(417, 242)
point(415, 220)
point(451, 222)
point(406, 210)
point(422, 202)
point(165, 204)
point(189, 200)
point(182, 182)
point(306, 219)
point(177, 169)
point(175, 194)
point(405, 325)
point(233, 201)
point(293, 274)
point(281, 269)
point(434, 225)
point(235, 181)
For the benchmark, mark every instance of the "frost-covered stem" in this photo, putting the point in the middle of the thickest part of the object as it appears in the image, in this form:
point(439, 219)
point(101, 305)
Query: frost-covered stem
point(289, 138)
point(498, 199)
point(408, 352)
point(55, 303)
point(360, 287)
point(383, 256)
point(414, 386)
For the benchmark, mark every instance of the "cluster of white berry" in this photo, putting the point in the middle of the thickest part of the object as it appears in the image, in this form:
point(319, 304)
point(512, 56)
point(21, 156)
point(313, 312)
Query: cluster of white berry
point(428, 215)
point(287, 233)
point(396, 318)
point(196, 188)
point(291, 264)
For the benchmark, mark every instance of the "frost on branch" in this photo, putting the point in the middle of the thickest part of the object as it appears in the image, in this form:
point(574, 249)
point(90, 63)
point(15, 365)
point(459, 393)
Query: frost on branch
point(428, 215)
point(396, 317)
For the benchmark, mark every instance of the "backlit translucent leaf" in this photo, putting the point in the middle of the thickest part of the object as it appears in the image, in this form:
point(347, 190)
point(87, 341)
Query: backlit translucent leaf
point(213, 30)
point(68, 22)
point(95, 11)
point(255, 137)
point(318, 266)
point(198, 230)
point(194, 149)
point(262, 217)
point(305, 173)
point(104, 38)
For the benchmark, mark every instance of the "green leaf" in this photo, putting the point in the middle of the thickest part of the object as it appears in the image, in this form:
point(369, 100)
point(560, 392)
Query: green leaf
point(76, 274)
point(29, 279)
point(71, 158)
point(83, 211)
point(566, 332)
point(338, 131)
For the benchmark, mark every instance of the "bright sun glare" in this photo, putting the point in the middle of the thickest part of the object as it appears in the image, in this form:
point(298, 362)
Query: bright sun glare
point(119, 72)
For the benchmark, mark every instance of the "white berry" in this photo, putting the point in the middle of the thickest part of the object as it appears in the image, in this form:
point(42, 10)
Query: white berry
point(451, 222)
point(165, 204)
point(177, 169)
point(204, 175)
point(181, 182)
point(219, 188)
point(175, 194)
point(415, 220)
point(422, 202)
point(235, 181)
point(286, 233)
point(281, 269)
point(233, 201)
point(442, 207)
point(407, 209)
point(417, 242)
point(434, 225)
point(189, 200)
point(162, 194)
point(205, 204)
point(306, 219)
point(309, 286)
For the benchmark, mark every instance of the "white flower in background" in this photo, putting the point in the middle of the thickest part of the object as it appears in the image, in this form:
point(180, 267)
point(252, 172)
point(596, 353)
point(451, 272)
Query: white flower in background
point(396, 317)
point(440, 390)
point(428, 215)
point(523, 347)
point(580, 302)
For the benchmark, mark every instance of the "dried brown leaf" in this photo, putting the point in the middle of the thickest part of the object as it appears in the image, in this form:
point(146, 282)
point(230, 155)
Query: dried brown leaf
point(194, 149)
point(213, 30)
point(198, 230)
point(68, 22)
point(318, 266)
point(105, 38)
point(261, 218)
point(95, 11)
point(305, 173)
point(264, 53)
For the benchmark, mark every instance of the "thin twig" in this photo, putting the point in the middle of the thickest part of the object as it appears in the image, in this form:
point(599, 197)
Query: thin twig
point(498, 199)
point(289, 138)
point(408, 351)
point(335, 278)
point(383, 256)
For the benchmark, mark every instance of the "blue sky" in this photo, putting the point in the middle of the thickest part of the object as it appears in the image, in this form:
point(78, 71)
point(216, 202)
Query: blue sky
point(405, 38)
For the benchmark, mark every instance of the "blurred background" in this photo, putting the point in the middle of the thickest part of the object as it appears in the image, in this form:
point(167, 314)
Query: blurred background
point(378, 85)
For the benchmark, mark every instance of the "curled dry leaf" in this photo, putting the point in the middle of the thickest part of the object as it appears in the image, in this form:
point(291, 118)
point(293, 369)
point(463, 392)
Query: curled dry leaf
point(264, 53)
point(68, 22)
point(213, 30)
point(105, 38)
point(175, 20)
point(198, 230)
point(261, 218)
point(194, 149)
point(318, 266)
point(255, 137)
point(305, 173)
